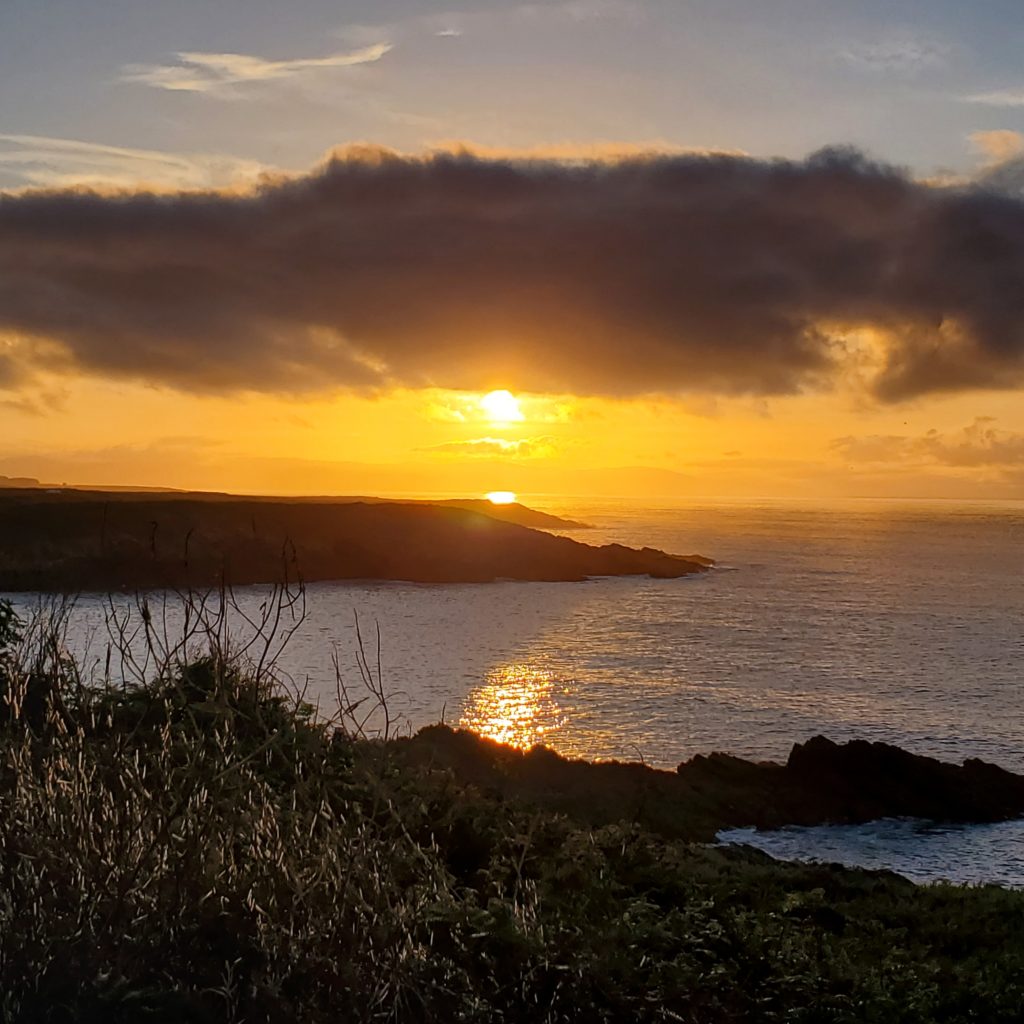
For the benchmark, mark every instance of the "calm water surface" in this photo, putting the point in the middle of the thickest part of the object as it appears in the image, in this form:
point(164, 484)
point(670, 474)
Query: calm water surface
point(895, 621)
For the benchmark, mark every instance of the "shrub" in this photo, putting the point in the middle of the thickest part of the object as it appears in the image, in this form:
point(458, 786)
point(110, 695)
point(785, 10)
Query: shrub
point(198, 847)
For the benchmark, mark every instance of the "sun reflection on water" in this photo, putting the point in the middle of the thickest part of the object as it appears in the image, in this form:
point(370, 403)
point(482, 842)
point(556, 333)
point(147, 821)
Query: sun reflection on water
point(516, 705)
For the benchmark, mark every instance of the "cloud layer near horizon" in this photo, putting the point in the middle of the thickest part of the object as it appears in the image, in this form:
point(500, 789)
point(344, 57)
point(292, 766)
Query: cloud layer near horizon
point(978, 444)
point(652, 274)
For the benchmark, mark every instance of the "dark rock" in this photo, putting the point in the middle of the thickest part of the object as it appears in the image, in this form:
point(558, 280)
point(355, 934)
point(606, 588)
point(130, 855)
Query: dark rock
point(861, 781)
point(825, 782)
point(822, 782)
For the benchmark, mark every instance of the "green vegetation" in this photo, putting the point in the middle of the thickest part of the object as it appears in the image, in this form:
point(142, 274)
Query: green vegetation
point(196, 847)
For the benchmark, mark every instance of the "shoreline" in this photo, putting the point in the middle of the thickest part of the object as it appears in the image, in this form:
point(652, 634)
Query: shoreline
point(821, 783)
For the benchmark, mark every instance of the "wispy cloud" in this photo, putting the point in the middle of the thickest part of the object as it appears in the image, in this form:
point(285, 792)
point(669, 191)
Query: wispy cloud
point(36, 402)
point(998, 98)
point(43, 162)
point(220, 74)
point(583, 10)
point(998, 145)
point(901, 54)
point(1002, 165)
point(454, 23)
point(528, 448)
point(978, 444)
point(1000, 168)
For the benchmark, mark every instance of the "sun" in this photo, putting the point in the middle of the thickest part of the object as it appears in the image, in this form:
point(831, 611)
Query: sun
point(501, 497)
point(501, 407)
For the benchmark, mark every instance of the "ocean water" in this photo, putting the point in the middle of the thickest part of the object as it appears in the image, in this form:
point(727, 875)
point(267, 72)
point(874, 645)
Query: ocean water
point(883, 620)
point(922, 851)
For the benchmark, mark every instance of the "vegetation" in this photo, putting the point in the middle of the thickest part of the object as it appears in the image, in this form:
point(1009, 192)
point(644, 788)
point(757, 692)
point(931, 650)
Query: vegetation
point(196, 846)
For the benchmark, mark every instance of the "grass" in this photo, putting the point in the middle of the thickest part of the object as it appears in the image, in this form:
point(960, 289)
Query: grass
point(197, 846)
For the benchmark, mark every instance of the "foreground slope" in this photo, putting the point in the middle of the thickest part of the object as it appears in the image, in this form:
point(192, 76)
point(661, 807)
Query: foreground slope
point(197, 850)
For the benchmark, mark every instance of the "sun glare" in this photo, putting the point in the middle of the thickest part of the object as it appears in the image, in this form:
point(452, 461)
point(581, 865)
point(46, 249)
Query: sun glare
point(517, 705)
point(502, 407)
point(501, 497)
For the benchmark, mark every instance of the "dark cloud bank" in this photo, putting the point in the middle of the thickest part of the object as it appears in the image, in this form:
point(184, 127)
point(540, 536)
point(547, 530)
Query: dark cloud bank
point(655, 274)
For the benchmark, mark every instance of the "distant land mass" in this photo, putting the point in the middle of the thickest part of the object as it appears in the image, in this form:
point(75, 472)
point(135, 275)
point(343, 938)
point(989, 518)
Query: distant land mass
point(67, 540)
point(513, 512)
point(32, 483)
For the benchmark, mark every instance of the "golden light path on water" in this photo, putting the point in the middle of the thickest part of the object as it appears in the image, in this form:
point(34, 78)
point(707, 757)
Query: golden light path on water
point(516, 705)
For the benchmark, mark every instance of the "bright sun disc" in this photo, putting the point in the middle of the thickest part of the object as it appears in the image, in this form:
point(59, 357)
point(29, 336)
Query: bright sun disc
point(502, 407)
point(501, 497)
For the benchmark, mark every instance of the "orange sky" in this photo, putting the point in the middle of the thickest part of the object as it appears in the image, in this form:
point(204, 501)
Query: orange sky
point(709, 256)
point(86, 430)
point(671, 326)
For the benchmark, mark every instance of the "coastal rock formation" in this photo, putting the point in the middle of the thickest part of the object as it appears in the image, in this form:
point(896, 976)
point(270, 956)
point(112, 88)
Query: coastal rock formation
point(69, 541)
point(822, 782)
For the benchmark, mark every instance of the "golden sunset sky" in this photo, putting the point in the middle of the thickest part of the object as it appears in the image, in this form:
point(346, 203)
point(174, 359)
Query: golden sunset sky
point(704, 256)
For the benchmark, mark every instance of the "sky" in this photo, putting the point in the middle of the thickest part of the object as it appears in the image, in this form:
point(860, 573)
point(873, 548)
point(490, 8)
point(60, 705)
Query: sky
point(743, 248)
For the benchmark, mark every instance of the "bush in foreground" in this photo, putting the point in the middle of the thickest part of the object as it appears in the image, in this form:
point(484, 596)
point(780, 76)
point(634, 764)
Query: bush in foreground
point(198, 848)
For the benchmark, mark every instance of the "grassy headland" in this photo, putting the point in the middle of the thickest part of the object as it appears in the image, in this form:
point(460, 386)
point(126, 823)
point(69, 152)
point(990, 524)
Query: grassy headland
point(72, 541)
point(198, 848)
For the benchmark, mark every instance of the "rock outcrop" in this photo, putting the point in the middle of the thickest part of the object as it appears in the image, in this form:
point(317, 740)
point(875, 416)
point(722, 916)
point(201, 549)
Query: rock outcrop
point(822, 782)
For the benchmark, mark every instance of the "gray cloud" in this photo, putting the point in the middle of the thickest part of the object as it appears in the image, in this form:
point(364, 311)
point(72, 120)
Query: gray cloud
point(903, 54)
point(998, 98)
point(582, 10)
point(650, 274)
point(979, 444)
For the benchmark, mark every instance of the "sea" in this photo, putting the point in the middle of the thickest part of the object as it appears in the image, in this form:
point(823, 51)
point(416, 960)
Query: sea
point(893, 620)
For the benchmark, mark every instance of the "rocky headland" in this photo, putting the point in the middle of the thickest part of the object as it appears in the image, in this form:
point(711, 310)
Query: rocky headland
point(69, 540)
